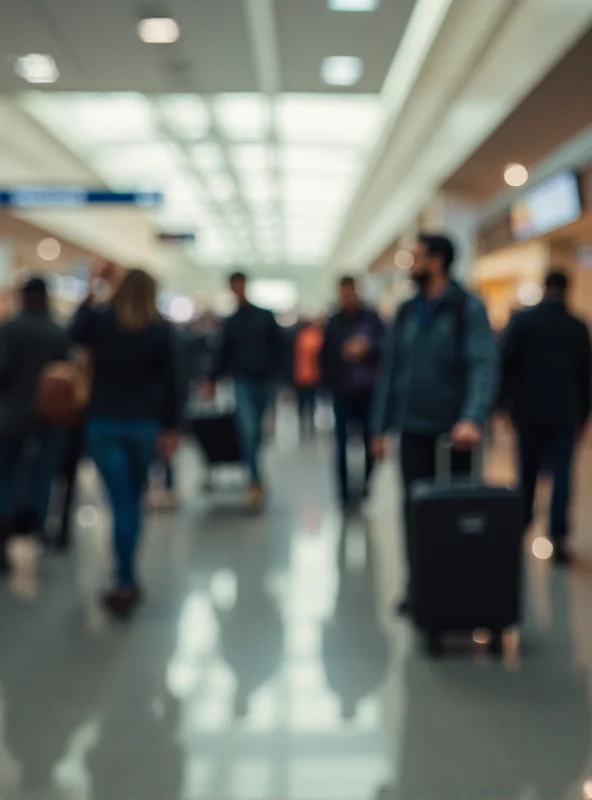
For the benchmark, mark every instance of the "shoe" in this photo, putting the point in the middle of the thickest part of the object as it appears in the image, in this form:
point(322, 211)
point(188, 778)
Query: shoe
point(349, 508)
point(255, 497)
point(122, 602)
point(561, 555)
point(169, 500)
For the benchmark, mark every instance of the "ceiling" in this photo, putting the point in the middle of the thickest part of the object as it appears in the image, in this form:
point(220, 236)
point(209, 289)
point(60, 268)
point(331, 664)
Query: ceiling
point(251, 150)
point(97, 47)
point(557, 109)
point(271, 169)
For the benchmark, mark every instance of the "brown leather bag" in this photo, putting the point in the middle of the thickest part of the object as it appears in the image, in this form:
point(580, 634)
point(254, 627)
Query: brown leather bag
point(63, 393)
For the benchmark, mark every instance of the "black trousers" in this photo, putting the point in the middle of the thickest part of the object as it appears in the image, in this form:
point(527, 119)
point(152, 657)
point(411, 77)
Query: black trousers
point(307, 404)
point(351, 410)
point(73, 454)
point(418, 462)
point(548, 447)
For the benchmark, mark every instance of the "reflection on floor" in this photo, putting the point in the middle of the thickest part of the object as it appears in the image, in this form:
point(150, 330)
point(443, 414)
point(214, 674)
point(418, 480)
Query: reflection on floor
point(267, 664)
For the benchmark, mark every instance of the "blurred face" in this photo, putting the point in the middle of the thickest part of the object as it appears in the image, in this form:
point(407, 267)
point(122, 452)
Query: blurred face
point(348, 296)
point(425, 267)
point(238, 287)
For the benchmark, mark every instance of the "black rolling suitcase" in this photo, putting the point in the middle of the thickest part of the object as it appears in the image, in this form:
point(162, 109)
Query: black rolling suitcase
point(466, 554)
point(215, 430)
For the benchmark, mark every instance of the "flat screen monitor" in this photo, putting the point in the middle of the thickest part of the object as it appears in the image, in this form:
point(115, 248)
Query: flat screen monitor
point(552, 204)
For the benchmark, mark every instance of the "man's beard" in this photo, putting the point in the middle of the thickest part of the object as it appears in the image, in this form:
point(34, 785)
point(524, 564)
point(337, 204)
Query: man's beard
point(422, 280)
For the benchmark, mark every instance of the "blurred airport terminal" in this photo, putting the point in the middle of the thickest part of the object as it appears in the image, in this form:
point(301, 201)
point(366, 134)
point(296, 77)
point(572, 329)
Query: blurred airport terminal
point(295, 385)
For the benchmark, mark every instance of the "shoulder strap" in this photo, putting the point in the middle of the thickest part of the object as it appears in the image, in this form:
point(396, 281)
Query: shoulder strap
point(460, 321)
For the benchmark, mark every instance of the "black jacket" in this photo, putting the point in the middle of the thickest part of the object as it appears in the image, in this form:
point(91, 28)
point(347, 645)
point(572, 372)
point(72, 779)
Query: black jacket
point(340, 376)
point(28, 342)
point(136, 374)
point(546, 367)
point(252, 346)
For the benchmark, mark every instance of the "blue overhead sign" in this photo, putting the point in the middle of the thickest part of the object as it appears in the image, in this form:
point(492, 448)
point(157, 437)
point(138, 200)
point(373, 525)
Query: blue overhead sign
point(74, 197)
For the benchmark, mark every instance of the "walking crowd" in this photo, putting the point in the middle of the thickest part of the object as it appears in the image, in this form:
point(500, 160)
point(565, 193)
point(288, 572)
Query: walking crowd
point(113, 385)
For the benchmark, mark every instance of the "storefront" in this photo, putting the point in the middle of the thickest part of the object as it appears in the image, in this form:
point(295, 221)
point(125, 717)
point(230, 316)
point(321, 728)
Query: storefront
point(549, 226)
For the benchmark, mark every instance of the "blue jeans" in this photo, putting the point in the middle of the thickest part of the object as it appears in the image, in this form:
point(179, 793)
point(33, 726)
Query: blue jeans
point(252, 400)
point(27, 469)
point(123, 451)
point(551, 448)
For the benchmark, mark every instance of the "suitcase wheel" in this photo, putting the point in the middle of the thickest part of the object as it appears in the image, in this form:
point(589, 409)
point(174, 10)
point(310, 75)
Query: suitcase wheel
point(496, 643)
point(434, 645)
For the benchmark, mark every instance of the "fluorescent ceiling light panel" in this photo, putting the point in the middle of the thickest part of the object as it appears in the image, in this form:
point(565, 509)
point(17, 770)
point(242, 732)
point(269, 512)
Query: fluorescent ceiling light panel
point(36, 68)
point(333, 192)
point(142, 161)
point(221, 187)
point(251, 157)
point(243, 116)
point(277, 295)
point(87, 120)
point(329, 119)
point(208, 157)
point(158, 30)
point(180, 190)
point(299, 158)
point(342, 70)
point(353, 5)
point(187, 115)
point(259, 189)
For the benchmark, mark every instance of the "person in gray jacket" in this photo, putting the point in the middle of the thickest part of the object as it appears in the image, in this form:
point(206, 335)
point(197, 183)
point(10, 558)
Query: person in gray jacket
point(29, 449)
point(438, 375)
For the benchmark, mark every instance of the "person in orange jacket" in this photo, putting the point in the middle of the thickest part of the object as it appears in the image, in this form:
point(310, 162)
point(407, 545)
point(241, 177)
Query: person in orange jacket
point(307, 373)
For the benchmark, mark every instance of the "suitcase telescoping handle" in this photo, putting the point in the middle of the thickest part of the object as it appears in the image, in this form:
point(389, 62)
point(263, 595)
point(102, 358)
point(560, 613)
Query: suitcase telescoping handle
point(444, 451)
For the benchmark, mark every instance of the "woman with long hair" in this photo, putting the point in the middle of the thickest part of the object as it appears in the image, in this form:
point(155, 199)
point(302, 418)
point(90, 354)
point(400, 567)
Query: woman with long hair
point(134, 411)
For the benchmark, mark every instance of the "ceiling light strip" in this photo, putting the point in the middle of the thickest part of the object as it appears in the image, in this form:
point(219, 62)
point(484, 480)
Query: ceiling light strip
point(260, 16)
point(193, 170)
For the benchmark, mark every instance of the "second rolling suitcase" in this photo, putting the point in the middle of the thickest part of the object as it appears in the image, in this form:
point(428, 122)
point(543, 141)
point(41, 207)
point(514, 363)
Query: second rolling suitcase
point(466, 555)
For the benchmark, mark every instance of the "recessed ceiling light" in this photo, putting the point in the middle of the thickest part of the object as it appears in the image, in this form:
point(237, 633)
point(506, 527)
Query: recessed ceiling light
point(515, 175)
point(49, 249)
point(342, 70)
point(353, 5)
point(37, 68)
point(158, 30)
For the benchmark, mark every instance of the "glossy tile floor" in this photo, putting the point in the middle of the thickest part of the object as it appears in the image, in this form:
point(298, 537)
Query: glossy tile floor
point(267, 664)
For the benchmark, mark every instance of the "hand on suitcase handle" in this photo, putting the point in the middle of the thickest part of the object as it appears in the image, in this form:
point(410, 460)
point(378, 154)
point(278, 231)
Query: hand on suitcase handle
point(379, 447)
point(444, 449)
point(466, 435)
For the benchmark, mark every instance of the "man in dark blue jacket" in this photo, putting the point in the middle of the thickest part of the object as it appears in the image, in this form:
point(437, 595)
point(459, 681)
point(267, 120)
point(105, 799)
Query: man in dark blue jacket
point(439, 371)
point(251, 353)
point(349, 367)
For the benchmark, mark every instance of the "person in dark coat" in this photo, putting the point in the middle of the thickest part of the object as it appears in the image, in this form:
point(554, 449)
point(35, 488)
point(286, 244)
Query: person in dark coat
point(251, 353)
point(546, 375)
point(350, 358)
point(29, 448)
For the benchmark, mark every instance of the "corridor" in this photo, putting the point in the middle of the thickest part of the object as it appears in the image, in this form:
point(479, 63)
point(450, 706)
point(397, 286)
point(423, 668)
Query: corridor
point(267, 664)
